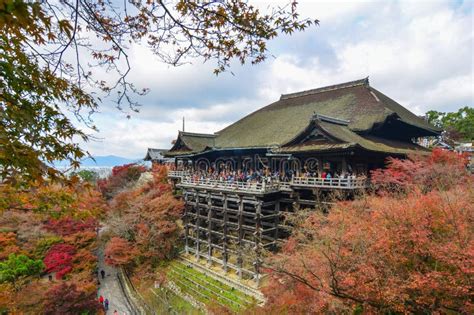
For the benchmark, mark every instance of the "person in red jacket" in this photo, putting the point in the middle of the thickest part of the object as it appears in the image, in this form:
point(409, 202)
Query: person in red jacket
point(101, 299)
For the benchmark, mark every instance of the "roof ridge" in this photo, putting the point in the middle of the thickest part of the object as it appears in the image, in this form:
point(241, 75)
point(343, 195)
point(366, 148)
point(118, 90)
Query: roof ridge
point(364, 81)
point(207, 135)
point(330, 119)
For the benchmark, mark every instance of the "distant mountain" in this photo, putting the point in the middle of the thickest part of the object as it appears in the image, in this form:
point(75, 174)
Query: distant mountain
point(109, 160)
point(102, 161)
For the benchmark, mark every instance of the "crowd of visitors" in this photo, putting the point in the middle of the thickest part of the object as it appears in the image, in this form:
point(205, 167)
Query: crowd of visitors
point(258, 176)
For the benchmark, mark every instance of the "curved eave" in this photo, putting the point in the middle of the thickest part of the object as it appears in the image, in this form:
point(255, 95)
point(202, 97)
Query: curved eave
point(176, 153)
point(191, 154)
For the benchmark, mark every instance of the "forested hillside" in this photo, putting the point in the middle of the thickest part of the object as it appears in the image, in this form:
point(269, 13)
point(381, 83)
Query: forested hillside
point(48, 240)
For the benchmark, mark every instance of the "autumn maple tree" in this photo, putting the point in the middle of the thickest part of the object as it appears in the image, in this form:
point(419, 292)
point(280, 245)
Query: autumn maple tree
point(144, 223)
point(119, 252)
point(69, 299)
point(441, 170)
point(67, 226)
point(58, 259)
point(48, 229)
point(398, 251)
point(122, 177)
point(51, 52)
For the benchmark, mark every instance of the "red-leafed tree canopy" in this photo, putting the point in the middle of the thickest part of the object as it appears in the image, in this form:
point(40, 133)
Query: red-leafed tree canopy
point(59, 259)
point(67, 226)
point(441, 170)
point(387, 253)
point(69, 299)
point(122, 177)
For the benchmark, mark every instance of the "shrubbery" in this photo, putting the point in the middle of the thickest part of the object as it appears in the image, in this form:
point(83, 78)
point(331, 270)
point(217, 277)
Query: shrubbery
point(122, 177)
point(408, 249)
point(48, 228)
point(144, 224)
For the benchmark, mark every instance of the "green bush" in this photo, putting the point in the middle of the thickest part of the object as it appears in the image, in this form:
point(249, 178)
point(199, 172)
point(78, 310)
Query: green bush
point(17, 266)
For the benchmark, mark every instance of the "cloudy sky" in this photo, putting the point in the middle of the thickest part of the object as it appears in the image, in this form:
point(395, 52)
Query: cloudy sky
point(419, 53)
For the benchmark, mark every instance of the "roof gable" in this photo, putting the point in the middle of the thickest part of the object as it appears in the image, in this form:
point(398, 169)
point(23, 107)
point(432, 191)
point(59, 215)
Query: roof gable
point(188, 142)
point(154, 154)
point(341, 137)
point(315, 134)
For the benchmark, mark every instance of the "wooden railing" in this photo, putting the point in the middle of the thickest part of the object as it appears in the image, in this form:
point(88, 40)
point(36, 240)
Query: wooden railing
point(268, 187)
point(285, 186)
point(248, 187)
point(343, 183)
point(178, 174)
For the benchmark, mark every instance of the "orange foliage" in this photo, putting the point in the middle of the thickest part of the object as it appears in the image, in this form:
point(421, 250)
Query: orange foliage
point(119, 252)
point(146, 217)
point(8, 244)
point(55, 223)
point(383, 253)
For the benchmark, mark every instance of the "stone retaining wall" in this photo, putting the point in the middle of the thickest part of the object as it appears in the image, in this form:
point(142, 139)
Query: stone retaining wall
point(188, 298)
point(134, 298)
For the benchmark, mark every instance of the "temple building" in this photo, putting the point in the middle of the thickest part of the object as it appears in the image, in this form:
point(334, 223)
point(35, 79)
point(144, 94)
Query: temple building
point(238, 182)
point(155, 156)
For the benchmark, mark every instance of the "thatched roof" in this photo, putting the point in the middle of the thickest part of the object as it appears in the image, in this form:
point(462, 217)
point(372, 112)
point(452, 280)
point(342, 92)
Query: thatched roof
point(363, 108)
point(188, 143)
point(154, 154)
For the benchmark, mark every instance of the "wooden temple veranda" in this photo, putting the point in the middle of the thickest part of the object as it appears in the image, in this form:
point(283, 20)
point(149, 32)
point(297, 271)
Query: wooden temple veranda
point(303, 147)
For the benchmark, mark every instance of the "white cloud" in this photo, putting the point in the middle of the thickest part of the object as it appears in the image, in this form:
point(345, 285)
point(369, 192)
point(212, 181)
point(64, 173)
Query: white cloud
point(418, 53)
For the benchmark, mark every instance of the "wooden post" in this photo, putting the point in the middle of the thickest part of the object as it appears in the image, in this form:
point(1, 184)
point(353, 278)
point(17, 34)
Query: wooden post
point(320, 167)
point(224, 236)
point(276, 222)
point(257, 240)
point(296, 203)
point(241, 235)
point(186, 223)
point(344, 165)
point(198, 226)
point(209, 229)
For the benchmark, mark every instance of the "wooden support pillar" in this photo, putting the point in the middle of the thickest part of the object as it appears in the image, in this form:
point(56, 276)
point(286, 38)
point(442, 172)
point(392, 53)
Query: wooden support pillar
point(198, 225)
point(320, 167)
point(241, 235)
point(296, 203)
point(186, 223)
point(209, 229)
point(224, 234)
point(344, 165)
point(257, 239)
point(276, 222)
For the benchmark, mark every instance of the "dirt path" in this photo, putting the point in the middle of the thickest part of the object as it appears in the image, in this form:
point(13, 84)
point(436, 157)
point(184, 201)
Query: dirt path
point(111, 289)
